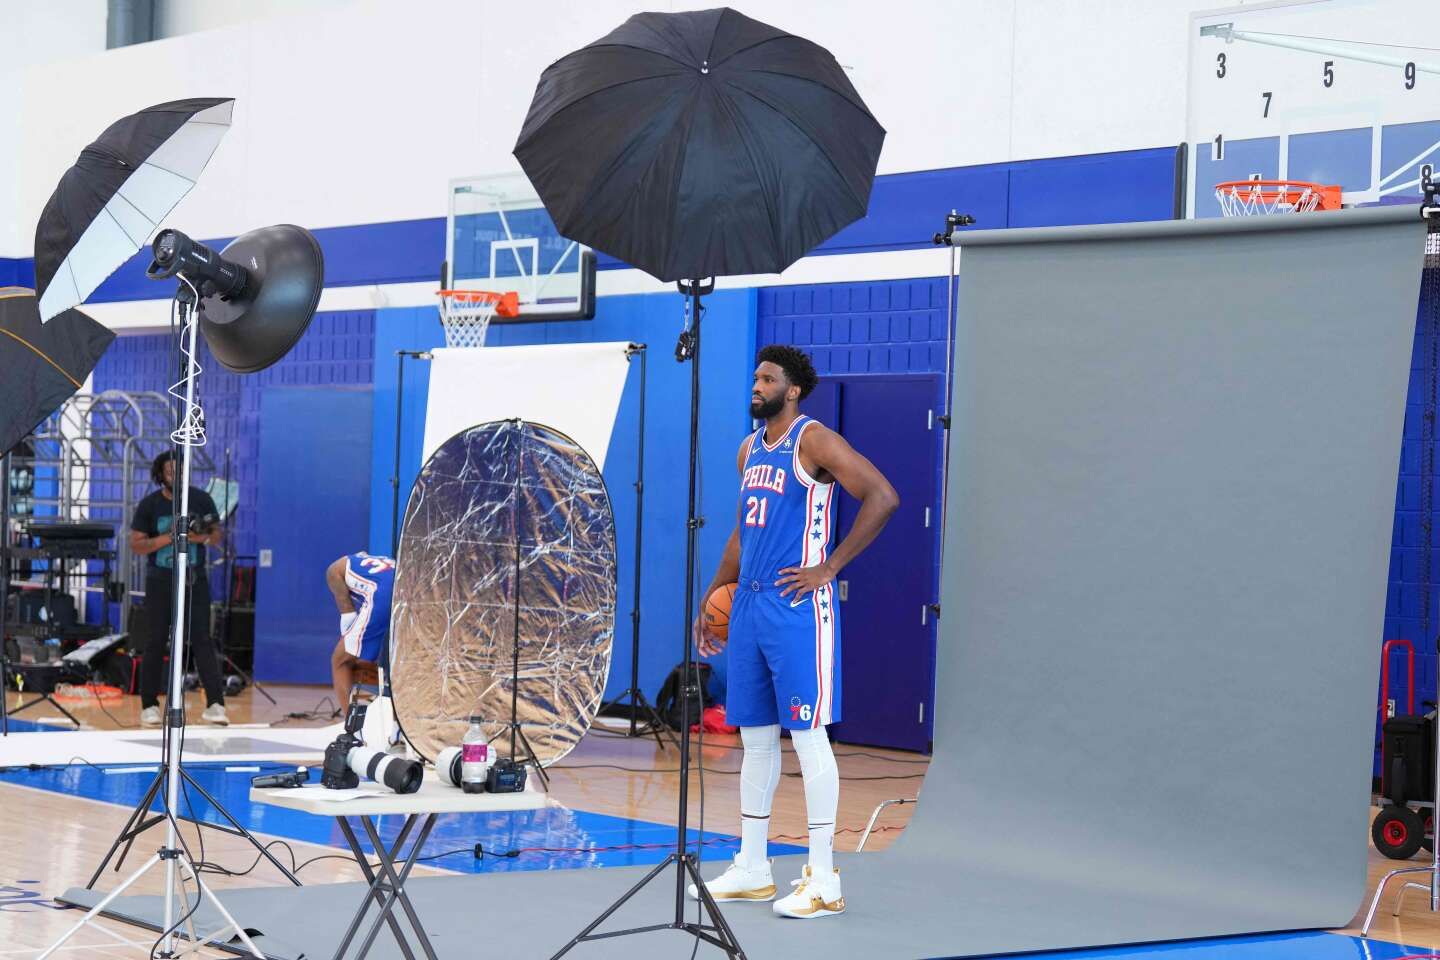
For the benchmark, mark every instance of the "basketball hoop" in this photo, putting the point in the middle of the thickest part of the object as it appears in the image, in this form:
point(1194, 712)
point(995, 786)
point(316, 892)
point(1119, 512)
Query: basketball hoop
point(1252, 198)
point(466, 314)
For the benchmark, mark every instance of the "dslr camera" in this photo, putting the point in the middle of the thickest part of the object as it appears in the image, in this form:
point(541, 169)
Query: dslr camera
point(347, 760)
point(201, 523)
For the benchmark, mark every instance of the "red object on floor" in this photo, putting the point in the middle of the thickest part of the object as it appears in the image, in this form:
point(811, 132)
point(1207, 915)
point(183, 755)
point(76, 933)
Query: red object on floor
point(714, 720)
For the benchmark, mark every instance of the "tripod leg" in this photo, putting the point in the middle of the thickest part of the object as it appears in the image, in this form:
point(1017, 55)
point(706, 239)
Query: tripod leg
point(230, 922)
point(251, 681)
point(56, 704)
point(126, 836)
point(239, 828)
point(657, 723)
point(533, 759)
point(584, 935)
point(726, 941)
point(95, 910)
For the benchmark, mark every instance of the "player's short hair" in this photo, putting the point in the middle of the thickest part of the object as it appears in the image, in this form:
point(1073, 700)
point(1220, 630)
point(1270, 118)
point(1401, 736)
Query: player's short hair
point(796, 364)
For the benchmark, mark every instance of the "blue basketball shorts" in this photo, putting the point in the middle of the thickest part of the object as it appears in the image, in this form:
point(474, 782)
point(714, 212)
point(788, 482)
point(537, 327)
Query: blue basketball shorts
point(784, 664)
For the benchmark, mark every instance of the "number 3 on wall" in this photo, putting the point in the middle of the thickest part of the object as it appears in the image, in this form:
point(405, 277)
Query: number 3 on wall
point(755, 511)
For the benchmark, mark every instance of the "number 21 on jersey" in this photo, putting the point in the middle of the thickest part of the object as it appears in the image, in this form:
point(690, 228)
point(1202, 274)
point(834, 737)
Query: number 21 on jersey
point(755, 511)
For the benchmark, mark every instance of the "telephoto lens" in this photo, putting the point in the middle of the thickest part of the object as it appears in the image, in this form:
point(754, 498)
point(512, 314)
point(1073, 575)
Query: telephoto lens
point(447, 765)
point(397, 773)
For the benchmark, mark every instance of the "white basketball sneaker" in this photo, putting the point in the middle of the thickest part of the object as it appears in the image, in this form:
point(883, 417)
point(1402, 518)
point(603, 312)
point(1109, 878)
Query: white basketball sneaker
point(740, 882)
point(150, 717)
point(812, 897)
point(215, 713)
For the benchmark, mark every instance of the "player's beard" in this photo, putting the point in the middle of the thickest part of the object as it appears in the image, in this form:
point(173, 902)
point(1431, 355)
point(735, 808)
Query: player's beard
point(765, 409)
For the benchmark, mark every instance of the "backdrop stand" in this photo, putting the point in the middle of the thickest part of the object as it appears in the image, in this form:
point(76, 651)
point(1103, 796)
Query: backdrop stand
point(639, 706)
point(687, 869)
point(400, 356)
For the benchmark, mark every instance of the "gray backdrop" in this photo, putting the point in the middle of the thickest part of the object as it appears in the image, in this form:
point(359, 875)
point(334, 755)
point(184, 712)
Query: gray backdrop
point(1173, 470)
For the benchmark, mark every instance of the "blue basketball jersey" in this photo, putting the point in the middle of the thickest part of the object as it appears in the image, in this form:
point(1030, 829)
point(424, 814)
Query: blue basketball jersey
point(786, 517)
point(369, 580)
point(784, 651)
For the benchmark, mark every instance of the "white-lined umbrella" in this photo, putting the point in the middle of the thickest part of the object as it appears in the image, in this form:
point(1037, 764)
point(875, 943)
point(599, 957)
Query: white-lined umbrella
point(118, 192)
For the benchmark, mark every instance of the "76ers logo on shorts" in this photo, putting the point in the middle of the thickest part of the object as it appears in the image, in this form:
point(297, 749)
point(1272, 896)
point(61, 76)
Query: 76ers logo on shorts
point(799, 711)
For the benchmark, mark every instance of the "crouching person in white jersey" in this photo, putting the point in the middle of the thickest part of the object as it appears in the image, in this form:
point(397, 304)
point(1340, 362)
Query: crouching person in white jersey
point(784, 638)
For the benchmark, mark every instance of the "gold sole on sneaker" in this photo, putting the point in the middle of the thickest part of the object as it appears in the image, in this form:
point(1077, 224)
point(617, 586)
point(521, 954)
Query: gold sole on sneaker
point(758, 895)
point(763, 893)
point(817, 908)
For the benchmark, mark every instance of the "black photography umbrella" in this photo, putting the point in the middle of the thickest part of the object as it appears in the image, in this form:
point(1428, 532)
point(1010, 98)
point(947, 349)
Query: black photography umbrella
point(43, 364)
point(695, 145)
point(700, 144)
point(119, 190)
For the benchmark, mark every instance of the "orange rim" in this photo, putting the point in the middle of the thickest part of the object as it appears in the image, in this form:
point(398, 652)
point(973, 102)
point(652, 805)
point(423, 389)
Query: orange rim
point(509, 303)
point(1269, 191)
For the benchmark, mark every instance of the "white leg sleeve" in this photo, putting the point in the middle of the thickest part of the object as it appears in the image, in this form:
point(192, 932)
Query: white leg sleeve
point(759, 774)
point(822, 794)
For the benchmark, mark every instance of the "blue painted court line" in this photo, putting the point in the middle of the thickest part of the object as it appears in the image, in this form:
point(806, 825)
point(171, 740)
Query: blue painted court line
point(552, 838)
point(1311, 945)
point(21, 725)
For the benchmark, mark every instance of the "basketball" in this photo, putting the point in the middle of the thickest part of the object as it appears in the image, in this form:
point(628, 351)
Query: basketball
point(717, 610)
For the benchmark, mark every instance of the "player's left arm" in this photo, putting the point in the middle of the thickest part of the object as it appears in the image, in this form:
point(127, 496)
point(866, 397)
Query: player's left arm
point(829, 452)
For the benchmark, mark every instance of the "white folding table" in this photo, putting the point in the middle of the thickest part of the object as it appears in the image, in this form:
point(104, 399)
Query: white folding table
point(387, 887)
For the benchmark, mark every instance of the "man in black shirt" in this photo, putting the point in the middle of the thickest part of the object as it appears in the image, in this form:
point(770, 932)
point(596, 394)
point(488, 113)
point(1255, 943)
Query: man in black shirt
point(150, 537)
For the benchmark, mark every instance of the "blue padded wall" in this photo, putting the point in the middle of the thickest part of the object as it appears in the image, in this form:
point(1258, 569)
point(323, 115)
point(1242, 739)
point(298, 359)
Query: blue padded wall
point(1406, 600)
point(653, 319)
point(337, 349)
point(314, 505)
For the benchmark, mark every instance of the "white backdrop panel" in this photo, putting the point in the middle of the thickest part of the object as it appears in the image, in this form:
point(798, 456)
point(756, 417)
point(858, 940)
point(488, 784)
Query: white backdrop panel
point(574, 388)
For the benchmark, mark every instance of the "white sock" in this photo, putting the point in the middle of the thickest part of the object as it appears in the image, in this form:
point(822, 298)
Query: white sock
point(759, 774)
point(822, 795)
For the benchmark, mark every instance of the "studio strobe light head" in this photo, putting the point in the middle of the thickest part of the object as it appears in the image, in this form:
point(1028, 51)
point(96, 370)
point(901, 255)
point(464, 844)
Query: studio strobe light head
point(213, 275)
point(257, 295)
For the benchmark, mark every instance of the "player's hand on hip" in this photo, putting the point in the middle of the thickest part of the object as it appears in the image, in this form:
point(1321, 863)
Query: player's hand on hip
point(802, 581)
point(706, 642)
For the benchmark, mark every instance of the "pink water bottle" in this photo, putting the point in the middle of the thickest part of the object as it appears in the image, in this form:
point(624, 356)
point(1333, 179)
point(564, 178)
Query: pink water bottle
point(474, 758)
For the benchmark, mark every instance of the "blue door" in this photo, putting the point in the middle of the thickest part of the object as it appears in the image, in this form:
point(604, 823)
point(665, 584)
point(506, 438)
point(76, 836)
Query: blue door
point(888, 639)
point(313, 505)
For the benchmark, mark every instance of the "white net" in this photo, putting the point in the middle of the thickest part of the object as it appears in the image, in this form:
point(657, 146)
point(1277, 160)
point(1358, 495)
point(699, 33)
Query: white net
point(466, 315)
point(1260, 198)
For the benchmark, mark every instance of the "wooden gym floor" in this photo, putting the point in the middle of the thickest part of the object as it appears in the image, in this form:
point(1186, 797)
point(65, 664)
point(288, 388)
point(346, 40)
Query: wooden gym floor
point(53, 841)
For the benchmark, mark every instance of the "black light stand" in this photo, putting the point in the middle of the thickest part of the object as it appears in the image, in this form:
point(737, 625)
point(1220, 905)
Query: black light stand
point(400, 356)
point(230, 592)
point(517, 736)
point(687, 870)
point(639, 705)
point(172, 855)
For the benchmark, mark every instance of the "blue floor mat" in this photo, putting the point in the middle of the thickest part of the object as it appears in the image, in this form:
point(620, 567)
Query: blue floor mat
point(548, 839)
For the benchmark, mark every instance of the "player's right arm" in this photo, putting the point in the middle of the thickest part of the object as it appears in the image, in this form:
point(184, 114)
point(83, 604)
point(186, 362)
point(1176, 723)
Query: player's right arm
point(727, 572)
point(335, 580)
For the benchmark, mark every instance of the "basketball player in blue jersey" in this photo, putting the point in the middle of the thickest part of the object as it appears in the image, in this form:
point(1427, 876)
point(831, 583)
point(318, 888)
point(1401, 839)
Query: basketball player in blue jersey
point(361, 586)
point(784, 638)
